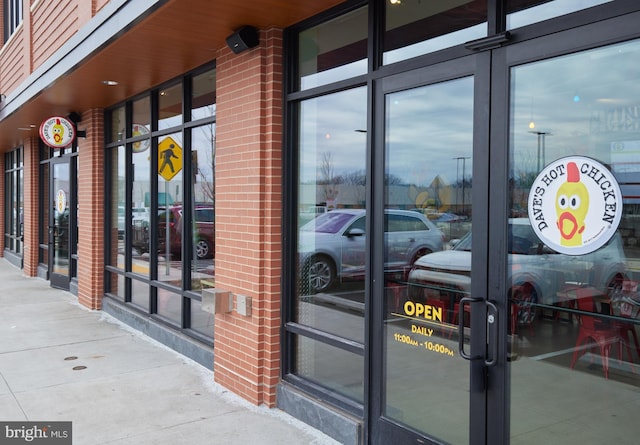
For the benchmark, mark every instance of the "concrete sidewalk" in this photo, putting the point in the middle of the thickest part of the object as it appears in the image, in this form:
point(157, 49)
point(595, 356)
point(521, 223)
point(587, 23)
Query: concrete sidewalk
point(62, 362)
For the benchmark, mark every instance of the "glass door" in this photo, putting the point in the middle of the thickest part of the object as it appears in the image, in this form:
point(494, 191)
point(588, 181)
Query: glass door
point(60, 224)
point(572, 212)
point(522, 326)
point(434, 316)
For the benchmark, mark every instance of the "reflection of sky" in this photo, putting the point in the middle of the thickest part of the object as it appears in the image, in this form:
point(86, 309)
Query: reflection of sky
point(203, 142)
point(330, 124)
point(549, 10)
point(435, 44)
point(333, 75)
point(427, 128)
point(573, 100)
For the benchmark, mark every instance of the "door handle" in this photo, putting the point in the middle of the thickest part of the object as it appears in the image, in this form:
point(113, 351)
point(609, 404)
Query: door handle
point(491, 358)
point(492, 335)
point(463, 302)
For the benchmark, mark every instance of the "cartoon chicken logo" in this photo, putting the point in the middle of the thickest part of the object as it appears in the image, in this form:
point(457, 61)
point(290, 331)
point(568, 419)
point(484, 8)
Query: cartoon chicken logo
point(572, 205)
point(57, 131)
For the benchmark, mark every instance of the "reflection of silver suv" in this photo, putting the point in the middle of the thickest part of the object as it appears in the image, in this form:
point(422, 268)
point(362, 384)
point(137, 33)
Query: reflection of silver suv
point(536, 273)
point(333, 245)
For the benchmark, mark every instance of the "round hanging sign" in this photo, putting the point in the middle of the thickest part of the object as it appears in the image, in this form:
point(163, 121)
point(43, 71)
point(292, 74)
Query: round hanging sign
point(140, 146)
point(57, 132)
point(575, 205)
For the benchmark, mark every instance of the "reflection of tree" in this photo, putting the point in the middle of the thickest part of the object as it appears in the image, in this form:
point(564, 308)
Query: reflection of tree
point(519, 186)
point(328, 180)
point(354, 181)
point(204, 169)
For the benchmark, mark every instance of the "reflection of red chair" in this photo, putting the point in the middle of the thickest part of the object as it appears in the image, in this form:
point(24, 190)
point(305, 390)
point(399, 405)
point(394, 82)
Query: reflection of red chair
point(516, 310)
point(594, 330)
point(397, 292)
point(625, 331)
point(456, 317)
point(443, 306)
point(522, 307)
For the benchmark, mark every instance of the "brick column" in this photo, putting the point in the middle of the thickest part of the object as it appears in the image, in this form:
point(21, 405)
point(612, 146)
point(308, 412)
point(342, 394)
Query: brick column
point(248, 216)
point(2, 205)
point(91, 195)
point(31, 206)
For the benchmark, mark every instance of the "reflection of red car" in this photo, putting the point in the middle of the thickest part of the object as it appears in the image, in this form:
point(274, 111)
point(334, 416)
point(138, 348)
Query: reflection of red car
point(172, 217)
point(203, 231)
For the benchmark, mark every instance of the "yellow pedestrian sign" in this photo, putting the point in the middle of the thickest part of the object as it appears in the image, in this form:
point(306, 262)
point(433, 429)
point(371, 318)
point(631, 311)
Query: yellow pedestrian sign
point(169, 158)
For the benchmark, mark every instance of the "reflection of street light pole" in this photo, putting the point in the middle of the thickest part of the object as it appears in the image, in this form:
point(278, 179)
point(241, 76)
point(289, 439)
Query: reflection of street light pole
point(464, 160)
point(541, 146)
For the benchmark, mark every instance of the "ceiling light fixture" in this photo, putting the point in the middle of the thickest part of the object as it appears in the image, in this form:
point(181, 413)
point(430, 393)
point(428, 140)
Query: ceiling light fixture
point(110, 83)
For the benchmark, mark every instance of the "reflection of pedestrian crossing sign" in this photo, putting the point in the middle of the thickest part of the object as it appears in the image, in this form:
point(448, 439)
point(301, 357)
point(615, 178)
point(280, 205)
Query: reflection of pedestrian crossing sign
point(169, 158)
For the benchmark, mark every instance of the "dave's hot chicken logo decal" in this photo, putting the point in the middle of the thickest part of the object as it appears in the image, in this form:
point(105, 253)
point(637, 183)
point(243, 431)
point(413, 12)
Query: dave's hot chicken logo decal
point(57, 132)
point(575, 205)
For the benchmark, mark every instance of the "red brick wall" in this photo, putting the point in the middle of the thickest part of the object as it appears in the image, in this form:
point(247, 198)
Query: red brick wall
point(31, 206)
point(248, 216)
point(2, 205)
point(91, 210)
point(52, 25)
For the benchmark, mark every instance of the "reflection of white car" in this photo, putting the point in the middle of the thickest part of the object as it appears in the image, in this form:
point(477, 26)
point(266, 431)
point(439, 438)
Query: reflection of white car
point(140, 214)
point(536, 273)
point(333, 245)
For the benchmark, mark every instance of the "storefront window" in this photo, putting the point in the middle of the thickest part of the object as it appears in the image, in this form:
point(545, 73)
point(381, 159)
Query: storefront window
point(334, 50)
point(141, 204)
point(118, 220)
point(117, 125)
point(163, 204)
point(169, 217)
point(170, 107)
point(317, 361)
point(43, 207)
point(202, 227)
point(203, 96)
point(416, 28)
point(14, 205)
point(331, 229)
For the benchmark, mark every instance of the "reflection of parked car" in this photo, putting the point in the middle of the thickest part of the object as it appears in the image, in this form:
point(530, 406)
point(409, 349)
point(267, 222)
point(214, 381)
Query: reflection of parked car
point(170, 220)
point(333, 244)
point(204, 234)
point(310, 213)
point(536, 272)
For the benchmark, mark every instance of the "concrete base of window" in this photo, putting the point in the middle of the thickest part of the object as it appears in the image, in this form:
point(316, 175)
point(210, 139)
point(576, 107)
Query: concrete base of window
point(196, 351)
point(333, 422)
point(43, 272)
point(13, 258)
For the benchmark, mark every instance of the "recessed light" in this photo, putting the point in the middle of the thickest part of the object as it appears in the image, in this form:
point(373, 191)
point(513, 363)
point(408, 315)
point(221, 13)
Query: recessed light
point(110, 82)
